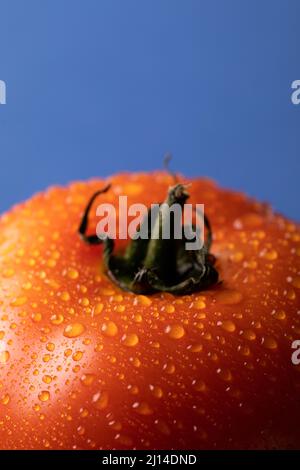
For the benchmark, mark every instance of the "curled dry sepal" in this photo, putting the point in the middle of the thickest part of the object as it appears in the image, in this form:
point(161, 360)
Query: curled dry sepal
point(151, 265)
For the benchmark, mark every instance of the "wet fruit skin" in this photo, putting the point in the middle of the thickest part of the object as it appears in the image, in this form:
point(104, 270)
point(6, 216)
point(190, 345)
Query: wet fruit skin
point(85, 365)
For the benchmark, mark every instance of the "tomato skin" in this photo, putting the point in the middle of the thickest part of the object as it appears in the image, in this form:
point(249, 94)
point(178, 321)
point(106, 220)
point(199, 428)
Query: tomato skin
point(84, 365)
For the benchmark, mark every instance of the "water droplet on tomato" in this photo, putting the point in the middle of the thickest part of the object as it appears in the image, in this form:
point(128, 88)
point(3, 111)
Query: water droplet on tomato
point(57, 319)
point(36, 317)
point(225, 374)
point(80, 430)
point(5, 399)
point(9, 272)
point(229, 297)
point(4, 357)
point(199, 385)
point(109, 329)
point(280, 315)
point(195, 348)
point(72, 273)
point(169, 368)
point(47, 379)
point(74, 330)
point(100, 400)
point(65, 296)
point(19, 301)
point(44, 395)
point(249, 335)
point(156, 391)
point(77, 356)
point(142, 300)
point(87, 379)
point(269, 342)
point(227, 325)
point(175, 331)
point(130, 339)
point(142, 408)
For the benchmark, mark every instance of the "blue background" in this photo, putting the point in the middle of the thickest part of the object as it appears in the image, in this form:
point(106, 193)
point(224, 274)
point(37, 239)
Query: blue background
point(98, 86)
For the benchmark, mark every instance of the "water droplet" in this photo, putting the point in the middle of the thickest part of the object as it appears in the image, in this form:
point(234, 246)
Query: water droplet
point(229, 297)
point(138, 318)
point(162, 427)
point(80, 430)
point(67, 352)
point(87, 379)
point(250, 264)
point(65, 296)
point(84, 412)
point(133, 389)
point(199, 385)
point(199, 304)
point(280, 315)
point(142, 300)
point(249, 335)
point(115, 425)
point(296, 282)
point(50, 346)
point(169, 368)
point(227, 325)
point(27, 285)
point(47, 379)
point(248, 220)
point(270, 255)
point(269, 342)
point(244, 350)
point(195, 348)
point(100, 400)
point(57, 319)
point(5, 399)
point(36, 317)
point(120, 308)
point(135, 361)
point(225, 374)
point(77, 356)
point(4, 357)
point(107, 291)
point(142, 408)
point(236, 257)
point(98, 309)
point(19, 301)
point(175, 331)
point(118, 298)
point(169, 308)
point(124, 440)
point(156, 391)
point(46, 443)
point(9, 272)
point(84, 302)
point(44, 395)
point(83, 289)
point(51, 263)
point(72, 273)
point(74, 330)
point(109, 329)
point(130, 339)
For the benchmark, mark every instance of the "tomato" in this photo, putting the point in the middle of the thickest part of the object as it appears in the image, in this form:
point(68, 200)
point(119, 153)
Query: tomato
point(87, 365)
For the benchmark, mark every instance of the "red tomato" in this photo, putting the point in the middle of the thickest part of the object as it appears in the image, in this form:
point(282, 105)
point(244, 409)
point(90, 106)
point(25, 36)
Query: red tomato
point(86, 365)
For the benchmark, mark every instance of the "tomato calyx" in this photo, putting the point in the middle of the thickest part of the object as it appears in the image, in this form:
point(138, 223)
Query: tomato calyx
point(153, 263)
